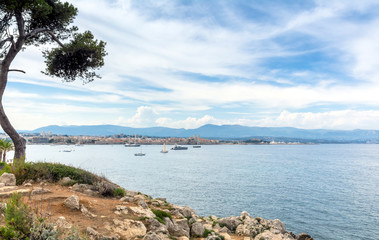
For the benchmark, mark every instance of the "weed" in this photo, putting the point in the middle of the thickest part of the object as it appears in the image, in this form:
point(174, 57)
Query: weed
point(119, 192)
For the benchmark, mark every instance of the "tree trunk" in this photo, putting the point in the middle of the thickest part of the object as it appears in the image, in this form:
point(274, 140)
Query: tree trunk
point(18, 141)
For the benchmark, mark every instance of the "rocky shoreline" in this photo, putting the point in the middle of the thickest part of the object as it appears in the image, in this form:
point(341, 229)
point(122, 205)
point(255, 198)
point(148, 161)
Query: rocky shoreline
point(139, 216)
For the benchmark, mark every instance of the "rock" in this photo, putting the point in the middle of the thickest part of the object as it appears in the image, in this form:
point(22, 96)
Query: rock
point(90, 192)
point(2, 184)
point(152, 236)
point(127, 199)
point(276, 226)
point(62, 223)
point(65, 181)
point(120, 209)
point(3, 206)
point(176, 212)
point(141, 212)
point(224, 230)
point(91, 231)
point(244, 215)
point(143, 204)
point(230, 222)
point(208, 226)
point(129, 229)
point(8, 179)
point(85, 211)
point(130, 193)
point(139, 197)
point(303, 236)
point(213, 218)
point(155, 226)
point(226, 236)
point(187, 212)
point(177, 228)
point(28, 185)
point(197, 229)
point(267, 235)
point(72, 202)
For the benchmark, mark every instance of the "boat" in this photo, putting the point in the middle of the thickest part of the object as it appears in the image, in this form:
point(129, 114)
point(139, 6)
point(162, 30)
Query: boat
point(196, 146)
point(132, 144)
point(176, 147)
point(140, 154)
point(164, 150)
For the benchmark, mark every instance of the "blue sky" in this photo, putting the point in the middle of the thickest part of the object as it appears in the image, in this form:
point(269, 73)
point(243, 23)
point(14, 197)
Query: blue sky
point(305, 64)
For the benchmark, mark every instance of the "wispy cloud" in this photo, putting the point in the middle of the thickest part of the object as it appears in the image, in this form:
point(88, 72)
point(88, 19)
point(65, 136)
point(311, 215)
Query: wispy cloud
point(197, 63)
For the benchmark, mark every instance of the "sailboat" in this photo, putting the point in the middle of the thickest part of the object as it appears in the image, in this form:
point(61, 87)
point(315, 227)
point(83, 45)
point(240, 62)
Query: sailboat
point(132, 144)
point(140, 153)
point(164, 150)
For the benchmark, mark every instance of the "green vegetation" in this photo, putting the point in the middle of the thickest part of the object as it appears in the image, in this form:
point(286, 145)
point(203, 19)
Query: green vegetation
point(6, 145)
point(18, 219)
point(119, 192)
point(206, 233)
point(52, 172)
point(160, 215)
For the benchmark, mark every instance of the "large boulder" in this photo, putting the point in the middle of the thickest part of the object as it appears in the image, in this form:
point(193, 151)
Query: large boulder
point(72, 202)
point(303, 236)
point(177, 228)
point(230, 222)
point(129, 229)
point(276, 226)
point(152, 236)
point(155, 226)
point(197, 229)
point(8, 179)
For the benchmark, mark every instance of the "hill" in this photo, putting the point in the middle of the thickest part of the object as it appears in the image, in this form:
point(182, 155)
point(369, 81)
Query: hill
point(215, 131)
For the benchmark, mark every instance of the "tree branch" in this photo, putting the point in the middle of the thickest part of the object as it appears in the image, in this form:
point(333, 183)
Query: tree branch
point(35, 32)
point(16, 70)
point(55, 38)
point(6, 40)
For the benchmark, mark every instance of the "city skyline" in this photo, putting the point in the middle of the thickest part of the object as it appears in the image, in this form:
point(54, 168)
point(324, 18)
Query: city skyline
point(182, 64)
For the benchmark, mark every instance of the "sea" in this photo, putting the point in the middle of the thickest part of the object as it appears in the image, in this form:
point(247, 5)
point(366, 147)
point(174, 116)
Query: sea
point(329, 191)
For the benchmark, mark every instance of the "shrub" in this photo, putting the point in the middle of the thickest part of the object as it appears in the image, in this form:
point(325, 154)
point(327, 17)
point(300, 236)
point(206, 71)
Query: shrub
point(5, 168)
point(18, 219)
point(160, 215)
point(52, 172)
point(119, 192)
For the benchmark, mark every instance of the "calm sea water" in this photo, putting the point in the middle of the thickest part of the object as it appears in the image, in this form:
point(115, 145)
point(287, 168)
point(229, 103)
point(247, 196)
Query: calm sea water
point(328, 191)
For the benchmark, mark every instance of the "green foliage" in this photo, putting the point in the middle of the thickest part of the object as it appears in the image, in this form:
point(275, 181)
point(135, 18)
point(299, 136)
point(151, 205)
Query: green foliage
point(52, 172)
point(161, 214)
point(43, 231)
point(74, 59)
point(5, 168)
point(119, 192)
point(6, 145)
point(18, 219)
point(160, 220)
point(206, 233)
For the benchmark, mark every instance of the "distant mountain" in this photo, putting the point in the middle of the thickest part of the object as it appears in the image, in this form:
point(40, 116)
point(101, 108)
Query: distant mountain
point(214, 131)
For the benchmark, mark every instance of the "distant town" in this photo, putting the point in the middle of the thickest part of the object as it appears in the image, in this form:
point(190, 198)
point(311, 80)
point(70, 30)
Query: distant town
point(50, 138)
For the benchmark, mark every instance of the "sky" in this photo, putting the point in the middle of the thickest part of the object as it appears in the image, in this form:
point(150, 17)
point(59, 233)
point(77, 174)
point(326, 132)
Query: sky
point(184, 64)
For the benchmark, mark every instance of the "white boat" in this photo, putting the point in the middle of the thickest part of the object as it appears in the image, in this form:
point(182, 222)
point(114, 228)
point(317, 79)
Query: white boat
point(140, 154)
point(164, 150)
point(132, 144)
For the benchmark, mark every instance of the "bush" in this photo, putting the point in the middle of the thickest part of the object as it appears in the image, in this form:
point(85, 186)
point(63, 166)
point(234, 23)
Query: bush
point(119, 192)
point(160, 215)
point(52, 172)
point(5, 168)
point(18, 219)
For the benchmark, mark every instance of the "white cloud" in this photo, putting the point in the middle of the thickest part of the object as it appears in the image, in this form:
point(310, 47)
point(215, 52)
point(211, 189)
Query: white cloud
point(188, 123)
point(144, 117)
point(344, 120)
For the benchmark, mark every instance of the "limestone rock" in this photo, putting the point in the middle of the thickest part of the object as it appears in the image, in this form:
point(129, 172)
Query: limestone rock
point(62, 223)
point(39, 190)
point(72, 202)
point(226, 236)
point(28, 185)
point(127, 199)
point(197, 229)
point(129, 229)
point(187, 212)
point(91, 231)
point(130, 193)
point(85, 211)
point(143, 204)
point(177, 228)
point(65, 181)
point(230, 222)
point(267, 235)
point(224, 230)
point(141, 212)
point(276, 226)
point(183, 238)
point(8, 179)
point(155, 226)
point(152, 236)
